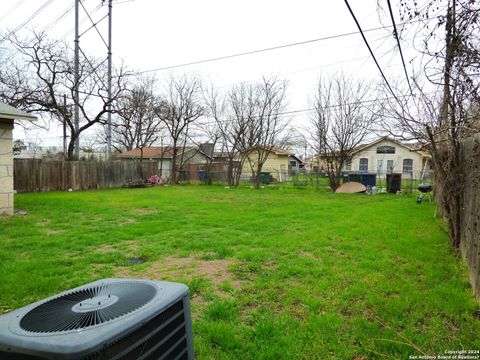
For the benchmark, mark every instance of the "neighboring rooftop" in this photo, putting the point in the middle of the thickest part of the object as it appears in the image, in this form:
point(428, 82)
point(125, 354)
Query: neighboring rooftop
point(153, 152)
point(11, 113)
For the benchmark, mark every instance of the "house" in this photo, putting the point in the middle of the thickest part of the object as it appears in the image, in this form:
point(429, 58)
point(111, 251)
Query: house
point(221, 160)
point(386, 155)
point(277, 163)
point(185, 157)
point(7, 115)
point(295, 164)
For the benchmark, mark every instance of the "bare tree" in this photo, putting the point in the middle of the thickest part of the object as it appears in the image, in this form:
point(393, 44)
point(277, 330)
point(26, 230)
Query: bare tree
point(179, 108)
point(136, 124)
point(230, 121)
point(340, 122)
point(261, 105)
point(43, 81)
point(440, 119)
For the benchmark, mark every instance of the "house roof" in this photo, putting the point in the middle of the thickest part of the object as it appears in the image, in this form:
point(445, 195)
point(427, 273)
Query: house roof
point(157, 152)
point(153, 152)
point(224, 154)
point(410, 147)
point(11, 113)
point(296, 157)
point(276, 150)
point(281, 151)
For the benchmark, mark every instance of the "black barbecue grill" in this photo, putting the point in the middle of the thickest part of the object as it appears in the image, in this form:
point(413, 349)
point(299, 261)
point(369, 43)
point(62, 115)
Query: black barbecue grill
point(425, 190)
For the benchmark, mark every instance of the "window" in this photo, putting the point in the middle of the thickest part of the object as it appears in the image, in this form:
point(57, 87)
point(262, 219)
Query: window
point(379, 166)
point(363, 165)
point(390, 166)
point(385, 149)
point(293, 163)
point(407, 166)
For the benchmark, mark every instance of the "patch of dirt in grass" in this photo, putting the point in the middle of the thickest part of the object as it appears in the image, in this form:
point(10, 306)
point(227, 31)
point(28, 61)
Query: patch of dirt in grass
point(308, 255)
point(269, 265)
point(54, 232)
point(127, 221)
point(43, 223)
point(132, 245)
point(144, 211)
point(217, 271)
point(105, 249)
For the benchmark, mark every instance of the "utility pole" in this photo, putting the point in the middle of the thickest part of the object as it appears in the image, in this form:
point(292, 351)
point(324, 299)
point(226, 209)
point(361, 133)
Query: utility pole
point(109, 114)
point(77, 80)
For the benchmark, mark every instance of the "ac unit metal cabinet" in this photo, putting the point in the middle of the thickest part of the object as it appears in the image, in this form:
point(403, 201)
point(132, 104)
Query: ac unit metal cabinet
point(106, 319)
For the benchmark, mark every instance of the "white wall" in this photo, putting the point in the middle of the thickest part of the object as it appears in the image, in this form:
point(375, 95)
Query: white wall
point(396, 159)
point(6, 167)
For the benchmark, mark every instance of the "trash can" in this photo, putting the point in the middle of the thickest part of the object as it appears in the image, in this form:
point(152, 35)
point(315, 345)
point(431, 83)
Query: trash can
point(205, 176)
point(366, 179)
point(394, 183)
point(369, 179)
point(265, 177)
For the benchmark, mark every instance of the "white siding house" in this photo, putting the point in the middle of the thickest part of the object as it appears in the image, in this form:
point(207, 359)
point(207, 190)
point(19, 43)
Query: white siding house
point(386, 155)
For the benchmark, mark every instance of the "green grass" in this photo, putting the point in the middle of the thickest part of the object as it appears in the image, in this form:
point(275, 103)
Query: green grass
point(274, 273)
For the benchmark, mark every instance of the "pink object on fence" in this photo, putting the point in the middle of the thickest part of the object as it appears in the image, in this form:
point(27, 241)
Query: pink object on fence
point(154, 179)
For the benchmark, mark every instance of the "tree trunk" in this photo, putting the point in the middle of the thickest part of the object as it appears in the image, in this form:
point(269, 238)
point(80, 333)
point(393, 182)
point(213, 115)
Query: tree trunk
point(173, 172)
point(71, 147)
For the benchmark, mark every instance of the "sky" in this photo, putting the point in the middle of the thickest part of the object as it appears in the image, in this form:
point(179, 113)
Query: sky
point(155, 34)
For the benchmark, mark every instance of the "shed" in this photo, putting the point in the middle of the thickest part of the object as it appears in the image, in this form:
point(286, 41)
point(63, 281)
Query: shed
point(7, 115)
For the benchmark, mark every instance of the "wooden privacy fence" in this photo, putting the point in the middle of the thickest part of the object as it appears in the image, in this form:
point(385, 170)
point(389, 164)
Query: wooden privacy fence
point(470, 237)
point(49, 175)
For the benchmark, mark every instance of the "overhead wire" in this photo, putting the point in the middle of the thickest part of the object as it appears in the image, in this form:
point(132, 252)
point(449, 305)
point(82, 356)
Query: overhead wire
point(384, 38)
point(336, 36)
point(395, 32)
point(47, 28)
point(38, 11)
point(370, 50)
point(300, 111)
point(381, 55)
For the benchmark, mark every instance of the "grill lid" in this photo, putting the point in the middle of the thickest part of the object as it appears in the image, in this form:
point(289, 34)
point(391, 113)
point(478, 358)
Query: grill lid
point(425, 187)
point(87, 307)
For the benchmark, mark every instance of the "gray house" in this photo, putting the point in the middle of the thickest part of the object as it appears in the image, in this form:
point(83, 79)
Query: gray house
point(7, 115)
point(190, 155)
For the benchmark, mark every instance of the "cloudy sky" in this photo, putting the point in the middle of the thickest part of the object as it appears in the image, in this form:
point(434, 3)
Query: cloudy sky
point(159, 35)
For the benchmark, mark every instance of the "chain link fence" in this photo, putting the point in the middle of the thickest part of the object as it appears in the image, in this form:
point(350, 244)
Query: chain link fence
point(406, 183)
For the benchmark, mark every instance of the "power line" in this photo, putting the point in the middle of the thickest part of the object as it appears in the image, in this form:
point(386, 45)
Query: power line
point(262, 50)
point(395, 32)
point(38, 11)
point(370, 50)
point(48, 27)
point(299, 111)
point(309, 68)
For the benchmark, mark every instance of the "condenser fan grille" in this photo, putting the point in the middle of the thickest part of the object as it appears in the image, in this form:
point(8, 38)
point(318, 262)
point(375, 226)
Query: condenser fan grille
point(87, 307)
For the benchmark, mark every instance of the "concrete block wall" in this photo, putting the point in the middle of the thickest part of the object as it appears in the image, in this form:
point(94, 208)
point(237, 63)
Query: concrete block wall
point(6, 167)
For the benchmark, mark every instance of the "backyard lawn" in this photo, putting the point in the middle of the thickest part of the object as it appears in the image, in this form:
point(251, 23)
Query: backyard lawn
point(274, 273)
